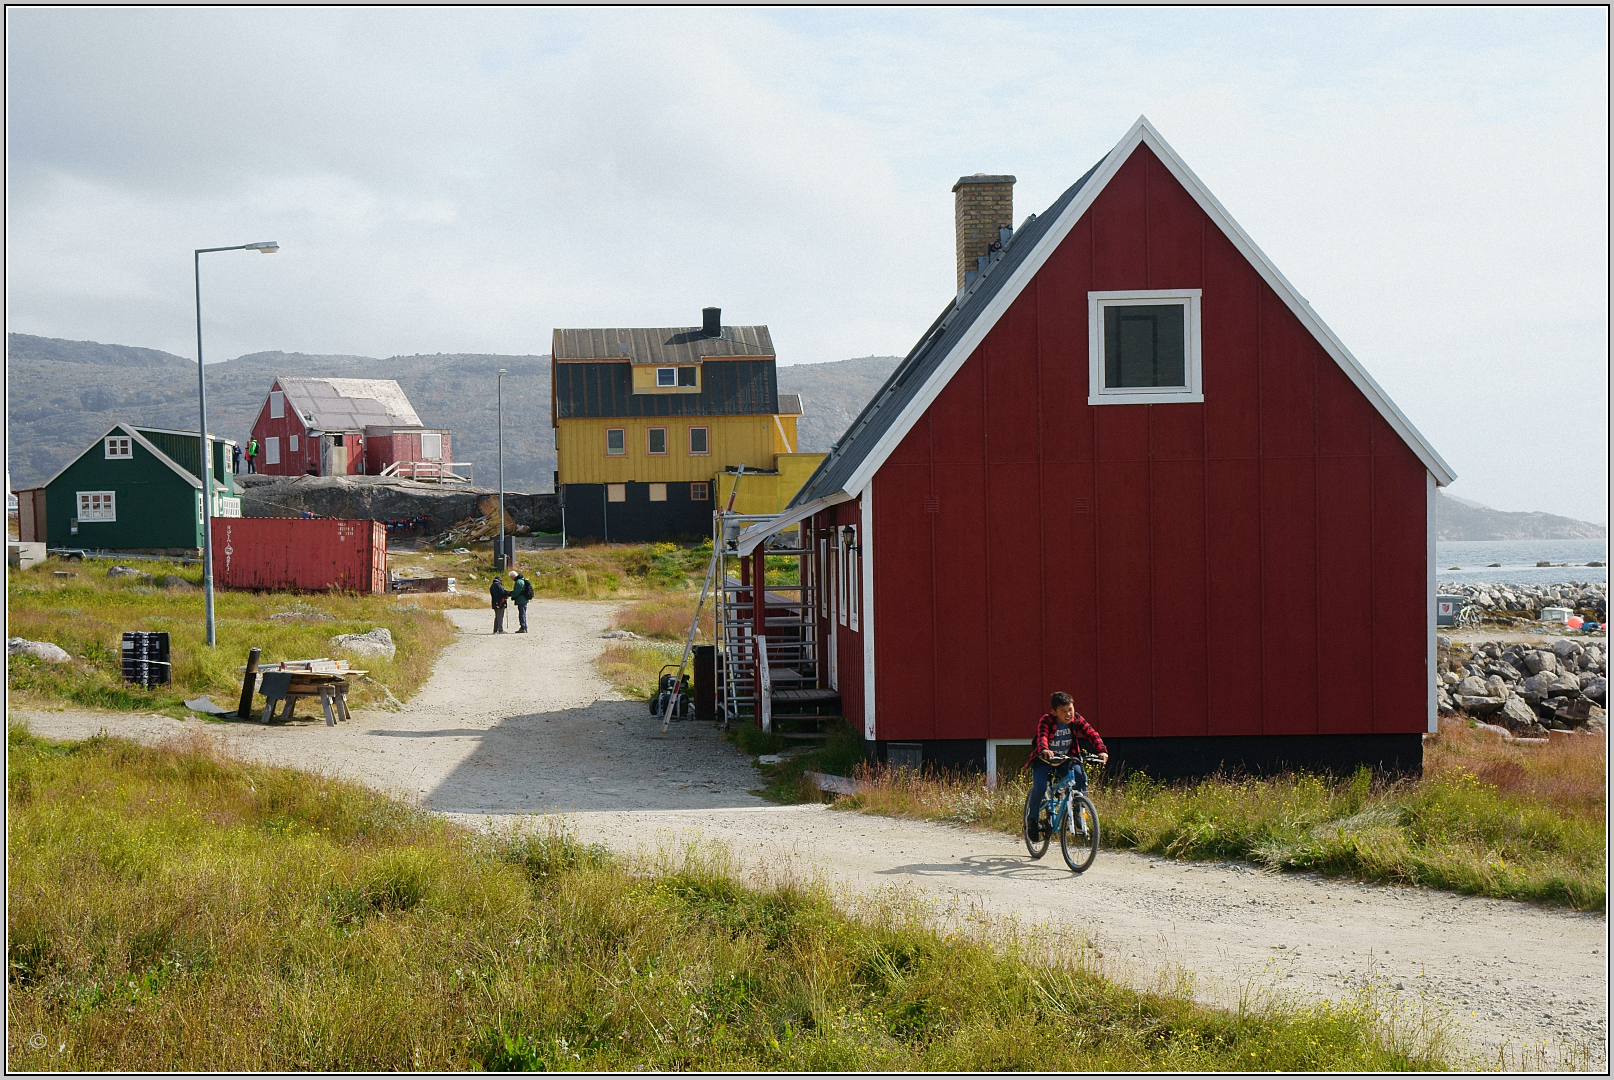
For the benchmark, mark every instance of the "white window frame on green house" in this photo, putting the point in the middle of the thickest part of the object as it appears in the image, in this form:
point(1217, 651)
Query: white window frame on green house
point(119, 447)
point(97, 505)
point(1099, 303)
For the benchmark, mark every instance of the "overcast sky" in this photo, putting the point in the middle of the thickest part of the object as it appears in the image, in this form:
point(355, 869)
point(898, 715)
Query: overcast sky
point(1435, 182)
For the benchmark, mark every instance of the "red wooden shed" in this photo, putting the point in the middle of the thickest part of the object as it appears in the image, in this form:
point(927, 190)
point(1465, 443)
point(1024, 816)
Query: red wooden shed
point(345, 427)
point(1128, 461)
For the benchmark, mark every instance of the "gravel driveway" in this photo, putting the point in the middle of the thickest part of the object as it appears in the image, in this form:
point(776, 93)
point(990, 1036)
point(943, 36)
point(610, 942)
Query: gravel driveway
point(522, 725)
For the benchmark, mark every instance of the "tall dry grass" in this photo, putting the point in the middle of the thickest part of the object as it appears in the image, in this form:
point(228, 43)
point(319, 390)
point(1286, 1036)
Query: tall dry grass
point(170, 909)
point(1487, 818)
point(87, 616)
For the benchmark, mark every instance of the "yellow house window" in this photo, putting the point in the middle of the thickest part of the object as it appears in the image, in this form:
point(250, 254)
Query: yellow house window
point(686, 376)
point(657, 440)
point(658, 492)
point(666, 376)
point(616, 441)
point(699, 442)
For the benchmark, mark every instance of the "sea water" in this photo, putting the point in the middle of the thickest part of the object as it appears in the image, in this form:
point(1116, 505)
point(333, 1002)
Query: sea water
point(1518, 559)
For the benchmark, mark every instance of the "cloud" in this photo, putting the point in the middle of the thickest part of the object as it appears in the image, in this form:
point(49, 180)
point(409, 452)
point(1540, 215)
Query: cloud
point(467, 179)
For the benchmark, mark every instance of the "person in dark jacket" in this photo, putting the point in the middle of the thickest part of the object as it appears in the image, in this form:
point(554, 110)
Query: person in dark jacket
point(520, 592)
point(501, 597)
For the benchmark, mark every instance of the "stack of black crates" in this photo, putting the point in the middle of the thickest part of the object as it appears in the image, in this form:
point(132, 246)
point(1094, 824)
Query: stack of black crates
point(145, 658)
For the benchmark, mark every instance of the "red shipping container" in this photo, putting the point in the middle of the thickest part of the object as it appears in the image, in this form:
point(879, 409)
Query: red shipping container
point(312, 554)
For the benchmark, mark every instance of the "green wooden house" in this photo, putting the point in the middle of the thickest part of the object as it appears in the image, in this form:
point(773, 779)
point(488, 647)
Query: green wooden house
point(137, 490)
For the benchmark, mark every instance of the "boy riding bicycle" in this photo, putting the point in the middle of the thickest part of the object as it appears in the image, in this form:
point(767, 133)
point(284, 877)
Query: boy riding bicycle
point(1059, 732)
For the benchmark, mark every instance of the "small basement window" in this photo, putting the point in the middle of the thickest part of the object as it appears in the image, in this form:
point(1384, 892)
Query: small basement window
point(656, 440)
point(97, 506)
point(686, 376)
point(119, 446)
point(666, 376)
point(699, 492)
point(1143, 347)
point(616, 441)
point(698, 441)
point(658, 492)
point(616, 493)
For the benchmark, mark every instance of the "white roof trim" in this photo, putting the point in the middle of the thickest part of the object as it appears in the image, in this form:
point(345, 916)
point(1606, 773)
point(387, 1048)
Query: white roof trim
point(143, 441)
point(1144, 133)
point(749, 540)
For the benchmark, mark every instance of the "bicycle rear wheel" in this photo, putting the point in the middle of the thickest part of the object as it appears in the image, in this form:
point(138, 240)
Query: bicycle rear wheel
point(1038, 848)
point(1078, 833)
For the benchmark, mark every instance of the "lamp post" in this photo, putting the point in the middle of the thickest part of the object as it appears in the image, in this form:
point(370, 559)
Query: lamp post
point(499, 562)
point(267, 247)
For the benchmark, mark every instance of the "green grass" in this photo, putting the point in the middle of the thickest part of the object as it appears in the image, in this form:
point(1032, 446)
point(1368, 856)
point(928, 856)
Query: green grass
point(170, 909)
point(87, 615)
point(840, 754)
point(1486, 819)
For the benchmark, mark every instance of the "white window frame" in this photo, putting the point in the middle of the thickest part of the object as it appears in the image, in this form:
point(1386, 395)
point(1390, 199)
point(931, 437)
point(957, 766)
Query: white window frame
point(616, 493)
point(431, 446)
point(271, 450)
point(666, 378)
point(277, 404)
point(119, 447)
point(708, 435)
point(853, 579)
point(1098, 393)
point(616, 453)
point(107, 511)
point(840, 574)
point(658, 492)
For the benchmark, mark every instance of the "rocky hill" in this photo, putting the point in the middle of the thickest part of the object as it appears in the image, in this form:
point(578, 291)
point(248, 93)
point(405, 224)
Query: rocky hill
point(62, 395)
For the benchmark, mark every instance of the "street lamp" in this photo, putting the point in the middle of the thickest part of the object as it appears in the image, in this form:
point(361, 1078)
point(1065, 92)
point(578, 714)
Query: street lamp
point(267, 247)
point(498, 562)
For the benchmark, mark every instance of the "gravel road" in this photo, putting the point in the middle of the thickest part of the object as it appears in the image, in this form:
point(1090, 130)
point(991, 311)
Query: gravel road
point(523, 726)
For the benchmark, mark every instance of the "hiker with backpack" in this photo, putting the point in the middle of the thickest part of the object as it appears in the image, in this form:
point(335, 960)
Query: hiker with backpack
point(520, 592)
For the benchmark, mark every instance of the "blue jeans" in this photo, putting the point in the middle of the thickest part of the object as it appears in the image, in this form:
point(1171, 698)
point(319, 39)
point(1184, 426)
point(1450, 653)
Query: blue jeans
point(1041, 771)
point(521, 609)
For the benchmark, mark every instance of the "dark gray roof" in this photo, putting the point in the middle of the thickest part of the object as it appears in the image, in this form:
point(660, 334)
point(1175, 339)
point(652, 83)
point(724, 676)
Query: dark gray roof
point(927, 355)
point(661, 345)
point(790, 404)
point(728, 388)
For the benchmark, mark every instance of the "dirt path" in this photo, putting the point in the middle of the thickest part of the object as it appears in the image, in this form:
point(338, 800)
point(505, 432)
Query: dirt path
point(520, 724)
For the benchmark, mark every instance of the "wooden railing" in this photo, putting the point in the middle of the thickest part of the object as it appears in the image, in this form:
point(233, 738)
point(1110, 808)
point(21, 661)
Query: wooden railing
point(429, 470)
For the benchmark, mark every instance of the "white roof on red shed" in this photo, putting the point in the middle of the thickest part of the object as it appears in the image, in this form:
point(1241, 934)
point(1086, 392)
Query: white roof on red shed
point(350, 404)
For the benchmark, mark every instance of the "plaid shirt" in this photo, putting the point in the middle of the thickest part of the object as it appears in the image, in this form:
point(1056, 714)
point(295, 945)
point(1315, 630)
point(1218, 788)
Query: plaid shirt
point(1048, 726)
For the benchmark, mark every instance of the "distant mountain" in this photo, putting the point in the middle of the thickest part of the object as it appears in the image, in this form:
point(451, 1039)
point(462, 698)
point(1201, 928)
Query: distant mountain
point(61, 395)
point(1462, 519)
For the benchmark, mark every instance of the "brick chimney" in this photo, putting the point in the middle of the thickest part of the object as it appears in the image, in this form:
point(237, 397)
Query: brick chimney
point(982, 205)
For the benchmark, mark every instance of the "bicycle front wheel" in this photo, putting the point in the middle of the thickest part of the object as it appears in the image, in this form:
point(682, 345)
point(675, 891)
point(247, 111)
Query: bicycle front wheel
point(1028, 828)
point(1078, 833)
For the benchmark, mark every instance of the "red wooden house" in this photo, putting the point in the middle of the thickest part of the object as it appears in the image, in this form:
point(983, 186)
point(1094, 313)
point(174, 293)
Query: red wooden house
point(343, 427)
point(1131, 462)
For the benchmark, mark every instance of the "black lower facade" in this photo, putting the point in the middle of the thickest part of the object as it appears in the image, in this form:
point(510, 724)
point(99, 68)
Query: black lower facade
point(589, 515)
point(1192, 756)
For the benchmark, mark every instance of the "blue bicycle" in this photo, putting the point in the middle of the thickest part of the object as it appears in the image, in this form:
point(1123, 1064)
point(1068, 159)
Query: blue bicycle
point(1068, 812)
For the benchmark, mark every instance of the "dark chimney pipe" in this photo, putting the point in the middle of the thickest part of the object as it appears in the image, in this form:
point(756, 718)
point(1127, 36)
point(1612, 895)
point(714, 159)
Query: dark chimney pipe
point(712, 321)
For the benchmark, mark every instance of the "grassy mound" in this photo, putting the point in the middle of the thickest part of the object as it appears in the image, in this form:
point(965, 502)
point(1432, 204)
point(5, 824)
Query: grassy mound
point(171, 909)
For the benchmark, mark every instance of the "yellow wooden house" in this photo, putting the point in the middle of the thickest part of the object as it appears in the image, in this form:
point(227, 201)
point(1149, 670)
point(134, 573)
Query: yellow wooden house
point(652, 424)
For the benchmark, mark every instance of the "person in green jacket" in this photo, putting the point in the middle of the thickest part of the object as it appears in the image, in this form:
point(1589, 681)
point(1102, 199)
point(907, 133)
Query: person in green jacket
point(252, 455)
point(520, 592)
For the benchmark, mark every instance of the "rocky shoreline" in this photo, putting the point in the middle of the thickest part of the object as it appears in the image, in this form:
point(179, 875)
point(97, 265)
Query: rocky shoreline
point(1521, 605)
point(1527, 689)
